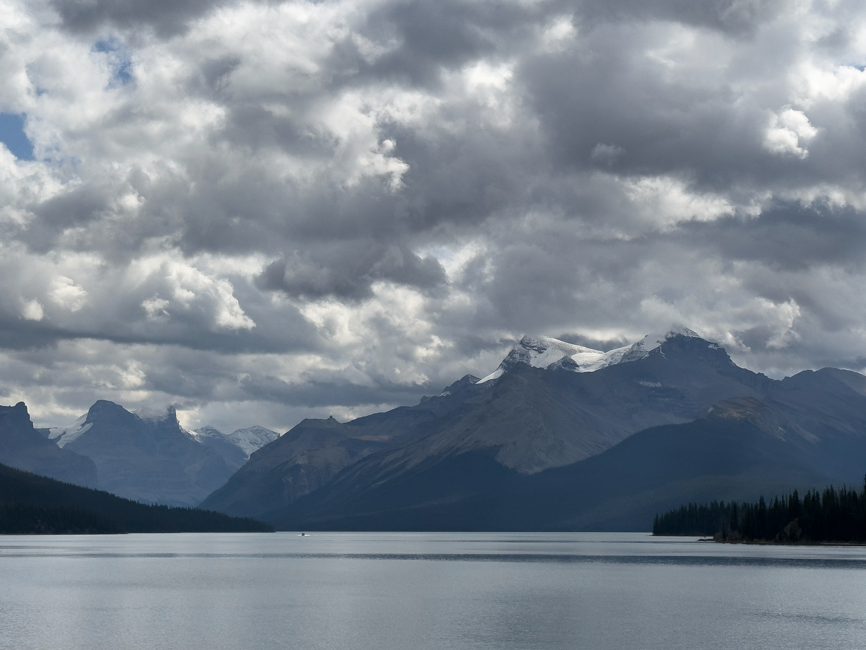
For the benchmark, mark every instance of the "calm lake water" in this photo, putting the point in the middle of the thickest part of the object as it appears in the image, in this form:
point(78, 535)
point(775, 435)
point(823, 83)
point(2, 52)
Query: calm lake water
point(410, 591)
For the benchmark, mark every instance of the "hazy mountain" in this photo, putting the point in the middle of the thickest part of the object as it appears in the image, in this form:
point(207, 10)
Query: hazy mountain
point(24, 447)
point(149, 459)
point(563, 436)
point(35, 504)
point(235, 447)
point(215, 440)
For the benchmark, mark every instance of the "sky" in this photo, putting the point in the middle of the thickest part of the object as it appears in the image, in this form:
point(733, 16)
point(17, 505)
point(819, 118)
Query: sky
point(263, 211)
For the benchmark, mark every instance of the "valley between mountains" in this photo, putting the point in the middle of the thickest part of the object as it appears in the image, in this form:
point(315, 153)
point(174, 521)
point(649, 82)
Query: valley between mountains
point(558, 437)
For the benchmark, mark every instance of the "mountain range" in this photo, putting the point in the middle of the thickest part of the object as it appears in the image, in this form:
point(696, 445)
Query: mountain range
point(148, 458)
point(558, 437)
point(564, 437)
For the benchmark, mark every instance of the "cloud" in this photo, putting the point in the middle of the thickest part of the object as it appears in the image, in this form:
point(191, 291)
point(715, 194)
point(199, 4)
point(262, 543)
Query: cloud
point(302, 208)
point(735, 17)
point(348, 270)
point(789, 133)
point(165, 17)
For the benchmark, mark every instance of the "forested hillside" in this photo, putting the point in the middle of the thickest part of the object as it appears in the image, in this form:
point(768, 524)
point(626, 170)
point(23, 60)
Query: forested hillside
point(35, 504)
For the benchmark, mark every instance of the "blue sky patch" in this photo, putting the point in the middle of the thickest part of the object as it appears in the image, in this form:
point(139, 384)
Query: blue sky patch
point(119, 56)
point(13, 136)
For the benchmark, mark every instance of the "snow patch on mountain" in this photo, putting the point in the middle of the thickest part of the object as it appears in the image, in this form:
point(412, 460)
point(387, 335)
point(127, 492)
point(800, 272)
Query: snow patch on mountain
point(496, 374)
point(64, 435)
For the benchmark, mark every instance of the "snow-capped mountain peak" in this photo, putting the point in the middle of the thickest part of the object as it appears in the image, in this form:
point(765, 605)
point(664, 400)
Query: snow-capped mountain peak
point(547, 352)
point(541, 352)
point(253, 438)
point(111, 414)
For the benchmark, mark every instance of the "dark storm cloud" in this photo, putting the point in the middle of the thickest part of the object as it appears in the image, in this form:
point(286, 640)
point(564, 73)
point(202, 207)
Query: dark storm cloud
point(255, 128)
point(17, 335)
point(436, 36)
point(165, 17)
point(641, 118)
point(787, 236)
point(459, 179)
point(66, 211)
point(250, 210)
point(733, 16)
point(214, 74)
point(347, 270)
point(316, 392)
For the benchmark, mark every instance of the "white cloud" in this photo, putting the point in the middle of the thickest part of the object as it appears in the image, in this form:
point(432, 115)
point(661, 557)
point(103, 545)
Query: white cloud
point(789, 133)
point(65, 293)
point(667, 201)
point(187, 291)
point(32, 310)
point(156, 308)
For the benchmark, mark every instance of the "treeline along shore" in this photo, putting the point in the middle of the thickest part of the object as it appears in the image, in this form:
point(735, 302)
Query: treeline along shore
point(834, 515)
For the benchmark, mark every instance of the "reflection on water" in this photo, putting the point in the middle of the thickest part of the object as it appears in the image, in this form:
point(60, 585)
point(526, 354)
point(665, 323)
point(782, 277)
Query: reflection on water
point(378, 590)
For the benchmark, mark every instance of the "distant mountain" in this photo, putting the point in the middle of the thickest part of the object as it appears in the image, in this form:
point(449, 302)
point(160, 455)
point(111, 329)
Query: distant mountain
point(24, 447)
point(215, 440)
point(35, 504)
point(564, 437)
point(236, 447)
point(148, 459)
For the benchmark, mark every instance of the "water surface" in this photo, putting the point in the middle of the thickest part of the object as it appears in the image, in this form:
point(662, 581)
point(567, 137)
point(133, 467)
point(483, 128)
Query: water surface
point(408, 590)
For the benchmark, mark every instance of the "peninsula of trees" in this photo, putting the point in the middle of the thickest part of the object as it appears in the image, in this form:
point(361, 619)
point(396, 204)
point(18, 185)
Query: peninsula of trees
point(832, 515)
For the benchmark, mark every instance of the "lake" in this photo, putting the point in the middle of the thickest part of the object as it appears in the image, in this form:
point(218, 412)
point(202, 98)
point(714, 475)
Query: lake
point(423, 590)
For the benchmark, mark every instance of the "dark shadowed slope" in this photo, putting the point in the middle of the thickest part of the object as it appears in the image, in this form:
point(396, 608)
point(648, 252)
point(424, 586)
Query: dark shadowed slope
point(621, 489)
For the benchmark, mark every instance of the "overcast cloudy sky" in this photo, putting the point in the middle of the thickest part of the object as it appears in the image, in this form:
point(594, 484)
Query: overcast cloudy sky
point(261, 211)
